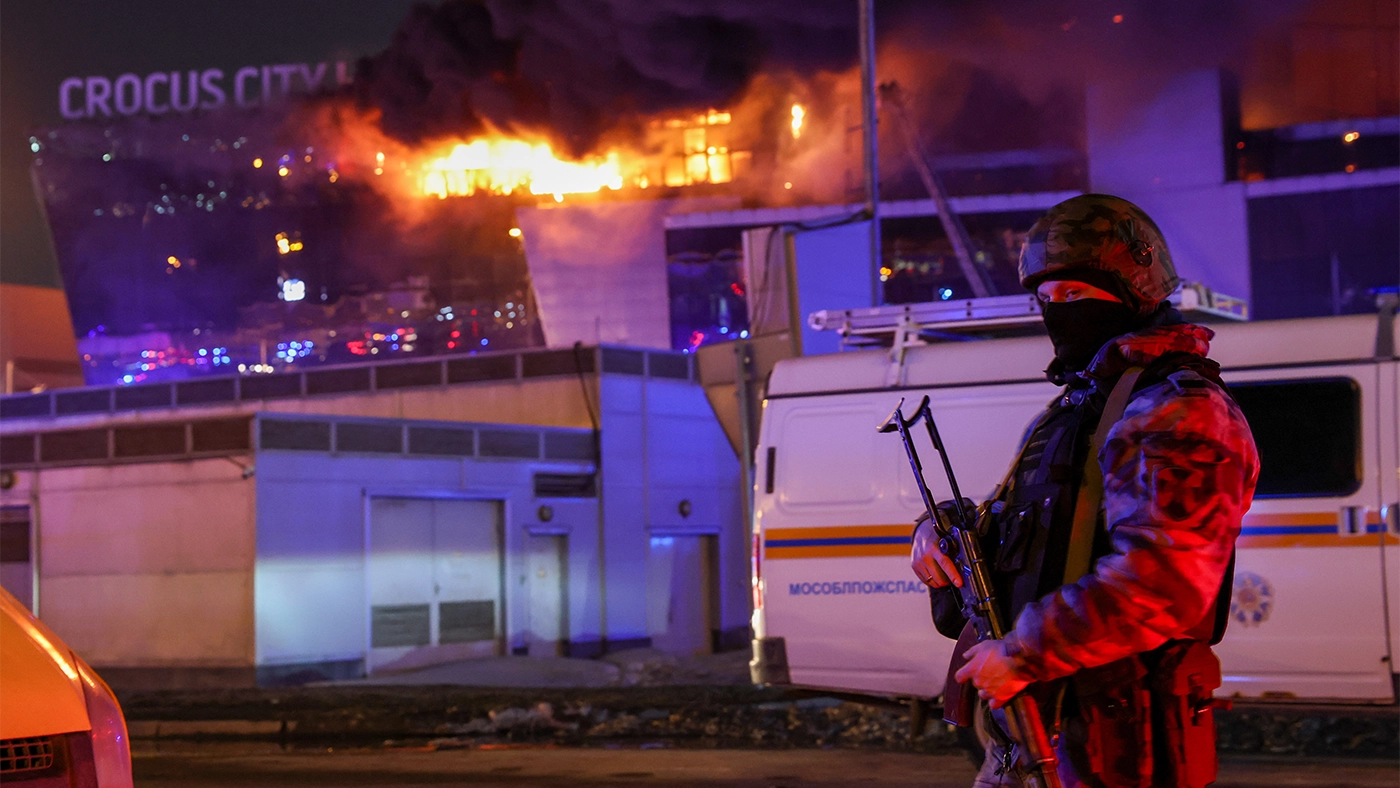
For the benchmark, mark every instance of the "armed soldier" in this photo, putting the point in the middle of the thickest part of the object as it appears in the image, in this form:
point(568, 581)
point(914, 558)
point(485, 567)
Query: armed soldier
point(1112, 538)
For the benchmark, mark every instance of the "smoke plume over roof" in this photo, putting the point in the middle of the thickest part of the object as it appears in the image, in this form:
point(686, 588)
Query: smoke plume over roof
point(580, 67)
point(576, 67)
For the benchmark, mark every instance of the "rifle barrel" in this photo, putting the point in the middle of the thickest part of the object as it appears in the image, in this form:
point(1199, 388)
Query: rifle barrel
point(1039, 762)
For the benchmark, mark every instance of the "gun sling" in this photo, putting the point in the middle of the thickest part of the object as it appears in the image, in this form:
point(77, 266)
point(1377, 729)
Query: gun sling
point(1090, 496)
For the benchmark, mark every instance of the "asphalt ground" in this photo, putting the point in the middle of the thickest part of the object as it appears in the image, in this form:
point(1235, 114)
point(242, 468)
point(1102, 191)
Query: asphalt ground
point(717, 717)
point(169, 765)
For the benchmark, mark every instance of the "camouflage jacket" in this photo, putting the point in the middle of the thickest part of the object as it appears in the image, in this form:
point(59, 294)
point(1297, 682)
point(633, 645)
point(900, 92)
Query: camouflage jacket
point(1179, 473)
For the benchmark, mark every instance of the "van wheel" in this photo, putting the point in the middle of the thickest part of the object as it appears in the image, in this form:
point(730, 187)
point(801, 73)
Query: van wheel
point(973, 739)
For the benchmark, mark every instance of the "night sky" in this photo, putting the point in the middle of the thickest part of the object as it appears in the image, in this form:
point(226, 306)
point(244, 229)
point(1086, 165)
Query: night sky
point(42, 43)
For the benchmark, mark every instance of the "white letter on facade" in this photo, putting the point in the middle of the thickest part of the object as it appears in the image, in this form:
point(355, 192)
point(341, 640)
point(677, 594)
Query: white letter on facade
point(126, 94)
point(209, 81)
point(312, 78)
point(284, 76)
point(98, 91)
point(239, 95)
point(191, 91)
point(65, 107)
point(151, 81)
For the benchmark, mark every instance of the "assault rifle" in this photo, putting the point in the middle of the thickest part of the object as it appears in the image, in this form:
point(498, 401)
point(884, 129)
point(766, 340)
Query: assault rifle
point(960, 541)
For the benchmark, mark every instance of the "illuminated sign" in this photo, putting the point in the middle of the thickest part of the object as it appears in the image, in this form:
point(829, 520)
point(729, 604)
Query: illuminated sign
point(175, 91)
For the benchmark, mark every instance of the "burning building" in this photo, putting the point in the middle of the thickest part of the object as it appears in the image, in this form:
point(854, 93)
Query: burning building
point(383, 216)
point(251, 235)
point(497, 181)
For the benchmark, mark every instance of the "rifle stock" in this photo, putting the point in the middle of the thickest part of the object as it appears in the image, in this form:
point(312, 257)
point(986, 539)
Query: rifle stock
point(960, 542)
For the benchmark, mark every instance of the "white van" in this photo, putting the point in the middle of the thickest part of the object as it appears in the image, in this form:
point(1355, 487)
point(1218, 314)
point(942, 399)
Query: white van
point(60, 724)
point(1315, 612)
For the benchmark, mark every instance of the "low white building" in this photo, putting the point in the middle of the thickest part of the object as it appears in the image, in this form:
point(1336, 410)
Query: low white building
point(329, 523)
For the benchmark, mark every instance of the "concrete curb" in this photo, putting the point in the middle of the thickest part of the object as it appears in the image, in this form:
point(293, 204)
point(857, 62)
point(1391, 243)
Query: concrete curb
point(705, 716)
point(197, 729)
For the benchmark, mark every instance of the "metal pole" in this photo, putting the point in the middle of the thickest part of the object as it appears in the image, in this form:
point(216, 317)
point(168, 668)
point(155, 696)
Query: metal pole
point(743, 373)
point(870, 134)
point(952, 225)
point(794, 304)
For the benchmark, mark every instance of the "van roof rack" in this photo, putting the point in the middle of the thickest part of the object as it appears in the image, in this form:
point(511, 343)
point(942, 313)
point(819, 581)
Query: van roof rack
point(978, 318)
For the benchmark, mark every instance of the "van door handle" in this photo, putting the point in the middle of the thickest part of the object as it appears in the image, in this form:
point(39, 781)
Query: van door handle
point(1390, 518)
point(1351, 520)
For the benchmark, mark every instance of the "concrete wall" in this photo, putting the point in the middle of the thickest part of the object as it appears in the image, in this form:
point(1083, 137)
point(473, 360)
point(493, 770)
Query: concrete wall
point(599, 271)
point(833, 272)
point(691, 459)
point(662, 445)
point(1163, 147)
point(544, 402)
point(310, 577)
point(146, 565)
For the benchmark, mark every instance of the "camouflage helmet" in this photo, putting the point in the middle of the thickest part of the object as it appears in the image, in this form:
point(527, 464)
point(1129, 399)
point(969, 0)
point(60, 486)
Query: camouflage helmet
point(1098, 231)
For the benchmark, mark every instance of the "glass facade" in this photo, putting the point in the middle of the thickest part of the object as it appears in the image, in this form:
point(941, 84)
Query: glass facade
point(1323, 253)
point(188, 247)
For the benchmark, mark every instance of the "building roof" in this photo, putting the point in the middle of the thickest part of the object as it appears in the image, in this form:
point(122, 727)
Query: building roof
point(341, 380)
point(193, 438)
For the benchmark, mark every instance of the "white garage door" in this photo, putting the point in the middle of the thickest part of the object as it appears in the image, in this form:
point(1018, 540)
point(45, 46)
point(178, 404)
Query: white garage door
point(434, 576)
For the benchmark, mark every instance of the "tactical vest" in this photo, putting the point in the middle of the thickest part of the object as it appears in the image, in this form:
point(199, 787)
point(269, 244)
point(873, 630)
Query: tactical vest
point(1145, 719)
point(1028, 545)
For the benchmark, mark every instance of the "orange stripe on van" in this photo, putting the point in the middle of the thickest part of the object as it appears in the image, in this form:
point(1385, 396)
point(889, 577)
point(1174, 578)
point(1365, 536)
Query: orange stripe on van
point(1290, 518)
point(837, 541)
point(1261, 531)
point(1309, 529)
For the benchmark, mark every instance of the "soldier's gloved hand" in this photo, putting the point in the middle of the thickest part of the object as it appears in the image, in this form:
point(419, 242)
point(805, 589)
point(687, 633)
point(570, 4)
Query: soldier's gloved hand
point(992, 671)
point(928, 562)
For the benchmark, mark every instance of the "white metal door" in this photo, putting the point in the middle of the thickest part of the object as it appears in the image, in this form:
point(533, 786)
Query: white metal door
point(1307, 615)
point(467, 575)
point(545, 583)
point(1389, 473)
point(399, 577)
point(17, 553)
point(835, 505)
point(680, 594)
point(433, 572)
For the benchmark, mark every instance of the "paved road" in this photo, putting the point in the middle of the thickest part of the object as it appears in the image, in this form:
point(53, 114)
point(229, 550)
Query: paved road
point(207, 767)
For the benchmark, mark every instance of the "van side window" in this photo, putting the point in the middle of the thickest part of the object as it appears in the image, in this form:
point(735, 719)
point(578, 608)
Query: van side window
point(1308, 433)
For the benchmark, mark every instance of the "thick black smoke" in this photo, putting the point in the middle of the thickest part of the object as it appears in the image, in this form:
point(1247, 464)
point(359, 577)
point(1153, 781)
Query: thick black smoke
point(1043, 41)
point(576, 68)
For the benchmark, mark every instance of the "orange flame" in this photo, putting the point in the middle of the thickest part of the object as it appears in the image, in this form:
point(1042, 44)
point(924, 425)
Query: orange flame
point(502, 165)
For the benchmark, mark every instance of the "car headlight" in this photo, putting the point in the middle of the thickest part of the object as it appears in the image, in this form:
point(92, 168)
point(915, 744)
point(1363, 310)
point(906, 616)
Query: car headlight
point(111, 752)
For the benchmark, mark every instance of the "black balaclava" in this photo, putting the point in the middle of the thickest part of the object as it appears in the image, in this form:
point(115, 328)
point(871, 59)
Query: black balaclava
point(1079, 329)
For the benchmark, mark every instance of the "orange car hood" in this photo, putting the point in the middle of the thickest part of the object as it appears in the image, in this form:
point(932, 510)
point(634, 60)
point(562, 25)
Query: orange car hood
point(40, 694)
